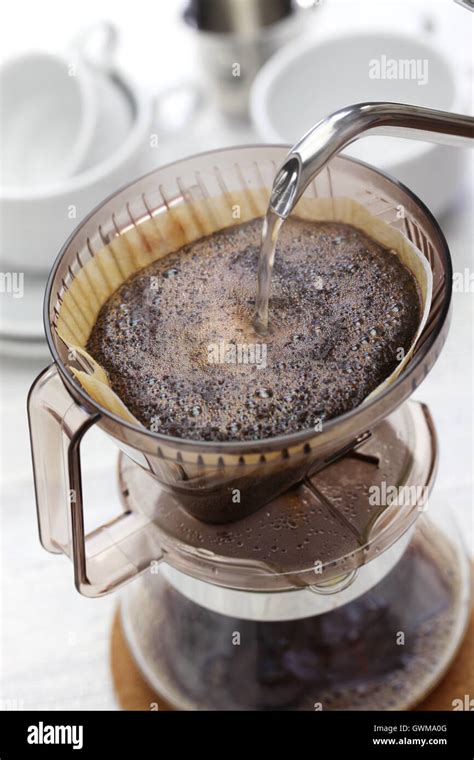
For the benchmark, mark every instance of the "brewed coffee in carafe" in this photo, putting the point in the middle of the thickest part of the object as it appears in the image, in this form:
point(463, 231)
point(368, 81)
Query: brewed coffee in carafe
point(381, 651)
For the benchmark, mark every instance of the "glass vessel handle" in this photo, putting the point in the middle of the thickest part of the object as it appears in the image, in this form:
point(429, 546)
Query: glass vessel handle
point(110, 555)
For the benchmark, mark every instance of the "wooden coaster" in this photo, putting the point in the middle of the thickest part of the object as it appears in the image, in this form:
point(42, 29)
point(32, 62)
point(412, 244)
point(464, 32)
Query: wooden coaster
point(133, 693)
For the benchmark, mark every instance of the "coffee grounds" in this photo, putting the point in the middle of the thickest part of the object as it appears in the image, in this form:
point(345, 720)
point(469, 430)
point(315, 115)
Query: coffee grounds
point(343, 311)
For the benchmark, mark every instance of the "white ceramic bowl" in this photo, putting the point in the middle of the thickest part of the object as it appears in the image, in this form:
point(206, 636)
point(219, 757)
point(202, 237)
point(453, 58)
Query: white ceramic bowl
point(302, 84)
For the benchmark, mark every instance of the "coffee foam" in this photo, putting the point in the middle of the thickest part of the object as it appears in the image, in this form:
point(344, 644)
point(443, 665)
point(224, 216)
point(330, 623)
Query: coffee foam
point(342, 308)
point(171, 229)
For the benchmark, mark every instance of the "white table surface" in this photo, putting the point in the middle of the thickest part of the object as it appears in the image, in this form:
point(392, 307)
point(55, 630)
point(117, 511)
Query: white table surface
point(54, 643)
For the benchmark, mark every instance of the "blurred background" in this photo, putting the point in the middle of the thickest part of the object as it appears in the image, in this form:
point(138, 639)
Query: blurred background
point(92, 95)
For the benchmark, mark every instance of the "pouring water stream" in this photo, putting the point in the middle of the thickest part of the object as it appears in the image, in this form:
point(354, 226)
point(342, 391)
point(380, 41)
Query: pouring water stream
point(331, 135)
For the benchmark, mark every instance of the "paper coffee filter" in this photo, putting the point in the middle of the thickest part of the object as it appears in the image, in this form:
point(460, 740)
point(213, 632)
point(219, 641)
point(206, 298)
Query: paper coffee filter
point(170, 229)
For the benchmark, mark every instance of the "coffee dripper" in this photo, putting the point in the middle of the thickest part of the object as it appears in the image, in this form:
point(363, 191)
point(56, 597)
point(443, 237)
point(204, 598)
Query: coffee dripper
point(174, 528)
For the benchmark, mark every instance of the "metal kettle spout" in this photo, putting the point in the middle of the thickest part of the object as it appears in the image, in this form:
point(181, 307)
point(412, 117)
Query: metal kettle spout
point(333, 133)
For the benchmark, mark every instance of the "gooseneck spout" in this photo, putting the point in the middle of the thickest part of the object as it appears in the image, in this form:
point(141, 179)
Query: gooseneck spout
point(332, 134)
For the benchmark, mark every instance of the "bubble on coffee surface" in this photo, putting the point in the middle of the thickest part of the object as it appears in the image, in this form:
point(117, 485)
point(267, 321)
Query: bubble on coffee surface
point(327, 347)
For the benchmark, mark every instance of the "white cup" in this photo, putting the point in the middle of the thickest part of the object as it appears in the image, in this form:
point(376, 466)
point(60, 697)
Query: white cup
point(37, 219)
point(112, 147)
point(48, 113)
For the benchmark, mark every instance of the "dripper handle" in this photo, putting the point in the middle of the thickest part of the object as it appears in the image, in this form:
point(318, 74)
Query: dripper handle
point(110, 555)
point(332, 134)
